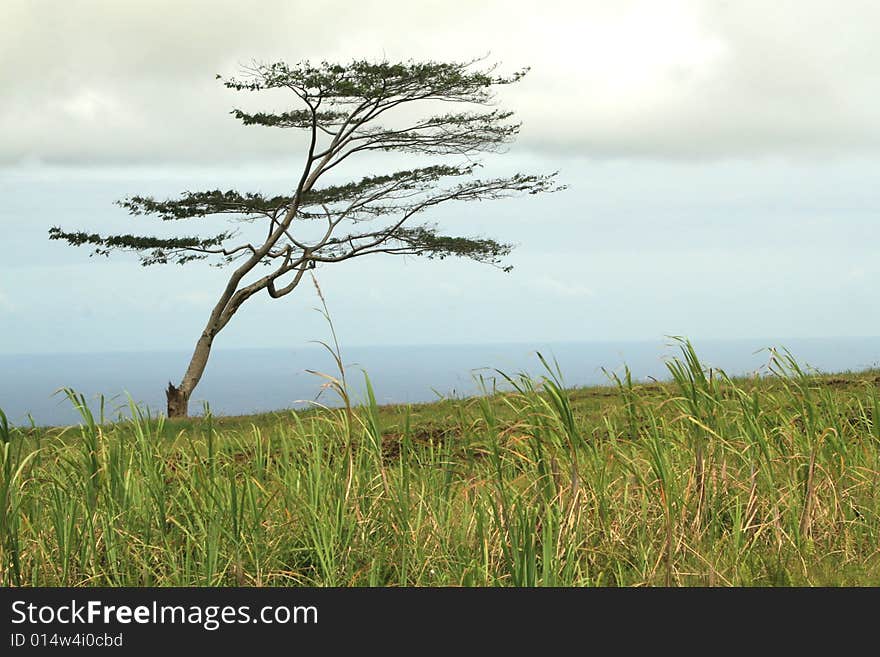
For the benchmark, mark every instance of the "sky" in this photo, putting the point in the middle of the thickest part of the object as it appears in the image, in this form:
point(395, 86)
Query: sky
point(722, 162)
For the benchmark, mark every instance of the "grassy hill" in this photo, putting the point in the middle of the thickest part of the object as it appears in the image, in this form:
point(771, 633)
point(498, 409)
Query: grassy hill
point(702, 480)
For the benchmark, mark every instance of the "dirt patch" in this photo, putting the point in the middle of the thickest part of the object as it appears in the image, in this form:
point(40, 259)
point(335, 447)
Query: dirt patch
point(392, 441)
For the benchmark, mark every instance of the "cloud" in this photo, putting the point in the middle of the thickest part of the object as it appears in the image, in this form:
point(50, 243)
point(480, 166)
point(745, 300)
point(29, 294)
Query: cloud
point(91, 81)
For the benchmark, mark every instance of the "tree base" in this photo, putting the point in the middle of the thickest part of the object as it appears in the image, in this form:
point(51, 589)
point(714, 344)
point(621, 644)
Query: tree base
point(178, 401)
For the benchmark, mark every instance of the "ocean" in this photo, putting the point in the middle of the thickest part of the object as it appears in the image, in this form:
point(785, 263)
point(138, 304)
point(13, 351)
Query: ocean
point(242, 381)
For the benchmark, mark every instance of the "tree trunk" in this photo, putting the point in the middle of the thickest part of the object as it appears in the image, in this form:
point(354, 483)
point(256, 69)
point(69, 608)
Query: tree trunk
point(178, 396)
point(178, 401)
point(230, 301)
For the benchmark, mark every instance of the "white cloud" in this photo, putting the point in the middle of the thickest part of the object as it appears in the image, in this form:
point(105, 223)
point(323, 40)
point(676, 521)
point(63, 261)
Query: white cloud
point(88, 106)
point(133, 82)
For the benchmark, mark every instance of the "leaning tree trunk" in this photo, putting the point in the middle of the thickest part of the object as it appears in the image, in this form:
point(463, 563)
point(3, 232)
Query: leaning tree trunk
point(178, 396)
point(230, 301)
point(178, 401)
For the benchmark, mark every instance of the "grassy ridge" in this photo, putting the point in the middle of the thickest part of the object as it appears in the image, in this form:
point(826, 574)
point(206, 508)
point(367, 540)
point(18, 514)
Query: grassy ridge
point(703, 480)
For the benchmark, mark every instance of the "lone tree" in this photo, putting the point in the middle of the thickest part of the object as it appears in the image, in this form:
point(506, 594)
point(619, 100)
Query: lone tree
point(343, 110)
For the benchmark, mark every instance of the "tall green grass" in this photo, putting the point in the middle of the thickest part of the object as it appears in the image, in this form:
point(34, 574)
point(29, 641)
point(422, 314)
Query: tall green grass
point(704, 480)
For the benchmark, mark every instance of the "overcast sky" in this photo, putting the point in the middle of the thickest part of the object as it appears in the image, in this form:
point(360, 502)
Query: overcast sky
point(723, 162)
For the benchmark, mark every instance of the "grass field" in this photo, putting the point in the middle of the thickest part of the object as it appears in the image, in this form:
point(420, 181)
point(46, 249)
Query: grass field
point(702, 480)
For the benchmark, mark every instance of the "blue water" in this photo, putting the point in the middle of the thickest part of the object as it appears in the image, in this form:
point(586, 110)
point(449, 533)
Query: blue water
point(252, 380)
